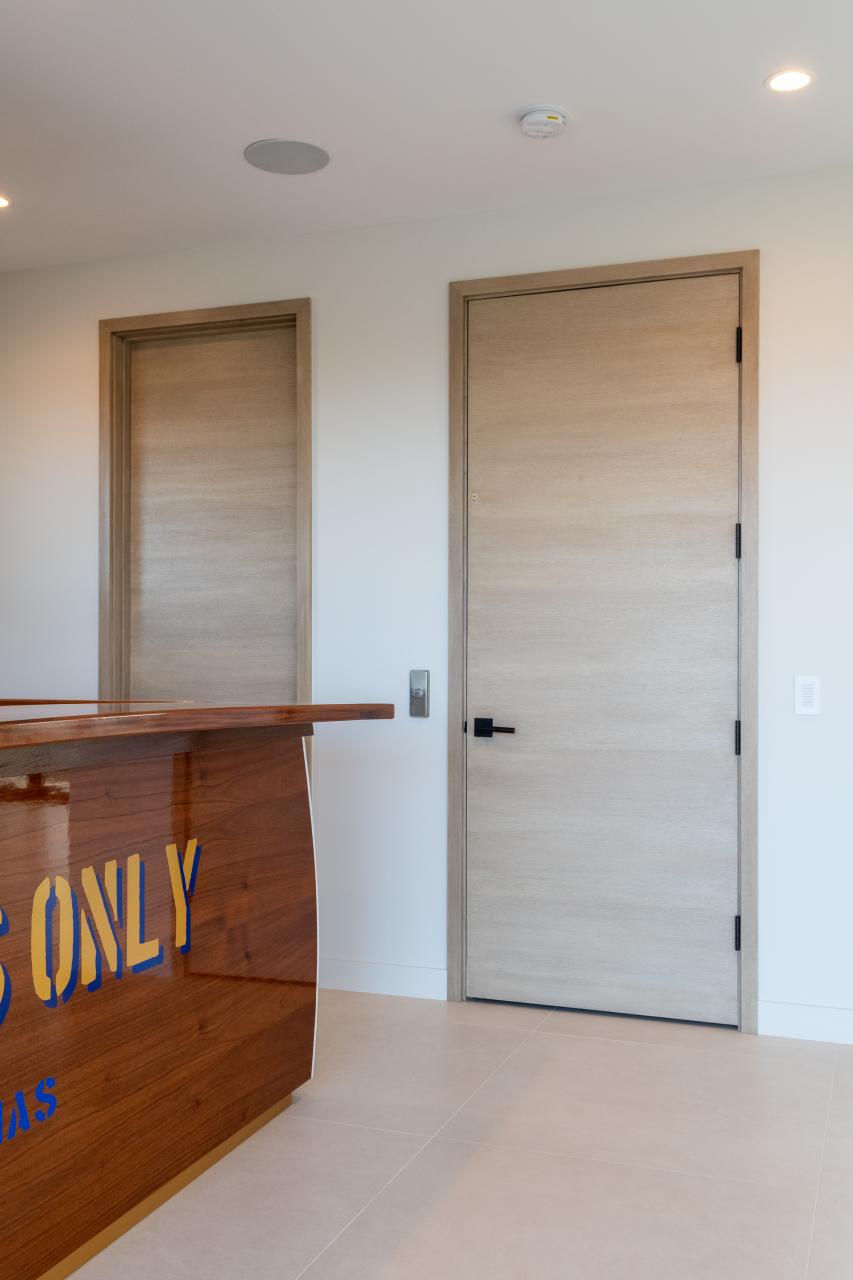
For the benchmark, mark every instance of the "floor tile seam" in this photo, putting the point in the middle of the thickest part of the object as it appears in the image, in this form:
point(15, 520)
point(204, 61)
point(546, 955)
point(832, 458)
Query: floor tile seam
point(806, 1184)
point(416, 1154)
point(371, 1128)
point(820, 1168)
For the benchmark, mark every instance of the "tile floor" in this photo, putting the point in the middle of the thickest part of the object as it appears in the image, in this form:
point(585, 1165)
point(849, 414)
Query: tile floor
point(444, 1141)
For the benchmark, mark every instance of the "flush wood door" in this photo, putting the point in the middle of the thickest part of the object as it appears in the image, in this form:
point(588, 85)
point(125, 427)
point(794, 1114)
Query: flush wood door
point(603, 474)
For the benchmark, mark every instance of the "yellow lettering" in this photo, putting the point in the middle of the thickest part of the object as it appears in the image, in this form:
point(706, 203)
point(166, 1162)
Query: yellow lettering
point(182, 874)
point(98, 899)
point(48, 897)
point(140, 954)
point(112, 881)
point(90, 968)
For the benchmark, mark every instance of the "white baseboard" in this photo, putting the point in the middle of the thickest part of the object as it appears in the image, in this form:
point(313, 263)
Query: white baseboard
point(805, 1022)
point(383, 979)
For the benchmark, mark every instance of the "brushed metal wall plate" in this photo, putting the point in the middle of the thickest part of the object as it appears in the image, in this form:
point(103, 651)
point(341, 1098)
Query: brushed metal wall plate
point(419, 693)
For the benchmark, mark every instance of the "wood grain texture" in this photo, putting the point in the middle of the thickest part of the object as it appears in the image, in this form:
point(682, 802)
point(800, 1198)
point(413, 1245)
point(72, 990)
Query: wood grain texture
point(748, 808)
point(745, 264)
point(126, 341)
point(603, 623)
point(615, 273)
point(37, 723)
point(158, 1068)
point(457, 586)
point(114, 512)
point(213, 517)
point(304, 503)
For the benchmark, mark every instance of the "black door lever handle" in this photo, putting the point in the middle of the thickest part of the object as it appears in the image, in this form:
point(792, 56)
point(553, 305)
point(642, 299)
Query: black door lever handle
point(485, 727)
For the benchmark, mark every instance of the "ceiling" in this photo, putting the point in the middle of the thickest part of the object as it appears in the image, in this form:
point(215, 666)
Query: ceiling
point(122, 122)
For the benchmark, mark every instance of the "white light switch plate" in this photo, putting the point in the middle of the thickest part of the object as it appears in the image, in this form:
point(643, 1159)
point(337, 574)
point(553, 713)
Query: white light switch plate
point(807, 695)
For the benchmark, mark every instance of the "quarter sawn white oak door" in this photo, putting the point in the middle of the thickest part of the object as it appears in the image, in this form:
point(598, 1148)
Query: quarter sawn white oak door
point(602, 624)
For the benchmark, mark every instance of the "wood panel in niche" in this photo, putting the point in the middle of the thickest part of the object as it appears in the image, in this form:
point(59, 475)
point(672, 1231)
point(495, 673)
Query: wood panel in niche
point(213, 516)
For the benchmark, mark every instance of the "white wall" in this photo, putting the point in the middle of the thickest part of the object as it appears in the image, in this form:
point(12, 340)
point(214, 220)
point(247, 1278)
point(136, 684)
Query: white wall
point(380, 540)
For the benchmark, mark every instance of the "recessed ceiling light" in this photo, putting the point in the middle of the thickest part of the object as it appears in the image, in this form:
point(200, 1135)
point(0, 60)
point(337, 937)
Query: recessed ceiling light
point(4, 203)
point(278, 155)
point(788, 81)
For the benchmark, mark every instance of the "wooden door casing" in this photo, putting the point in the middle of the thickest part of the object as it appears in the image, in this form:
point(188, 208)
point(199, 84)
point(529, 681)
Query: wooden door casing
point(239, 500)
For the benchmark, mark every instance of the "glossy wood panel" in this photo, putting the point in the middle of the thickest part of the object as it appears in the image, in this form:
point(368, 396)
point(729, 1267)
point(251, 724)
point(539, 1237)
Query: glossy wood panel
point(29, 724)
point(156, 1068)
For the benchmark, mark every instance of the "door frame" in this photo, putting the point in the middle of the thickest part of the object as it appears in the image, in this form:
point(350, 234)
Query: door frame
point(117, 339)
point(746, 266)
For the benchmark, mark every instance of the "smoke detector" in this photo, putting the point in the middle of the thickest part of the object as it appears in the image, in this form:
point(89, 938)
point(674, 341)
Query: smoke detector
point(543, 122)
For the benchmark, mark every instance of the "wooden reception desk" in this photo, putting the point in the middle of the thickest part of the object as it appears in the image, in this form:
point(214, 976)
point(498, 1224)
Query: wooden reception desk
point(158, 954)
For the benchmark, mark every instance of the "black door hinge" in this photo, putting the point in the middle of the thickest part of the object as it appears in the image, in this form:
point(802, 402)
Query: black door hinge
point(739, 344)
point(737, 541)
point(737, 737)
point(737, 933)
point(465, 727)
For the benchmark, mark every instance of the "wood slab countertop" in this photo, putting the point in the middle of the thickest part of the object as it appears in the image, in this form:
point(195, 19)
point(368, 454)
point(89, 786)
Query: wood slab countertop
point(28, 723)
